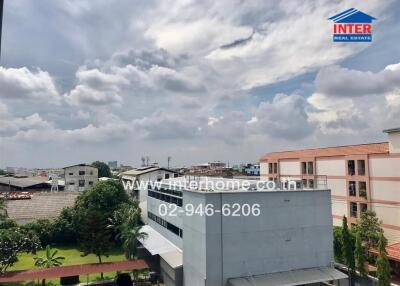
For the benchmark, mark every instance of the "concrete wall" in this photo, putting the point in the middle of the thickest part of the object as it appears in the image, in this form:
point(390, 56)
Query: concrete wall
point(72, 178)
point(337, 186)
point(394, 142)
point(385, 190)
point(384, 167)
point(294, 231)
point(289, 167)
point(264, 171)
point(331, 167)
point(153, 206)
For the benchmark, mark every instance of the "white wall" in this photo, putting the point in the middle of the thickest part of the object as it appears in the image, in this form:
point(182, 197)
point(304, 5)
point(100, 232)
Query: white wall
point(331, 167)
point(394, 142)
point(384, 167)
point(264, 171)
point(337, 186)
point(339, 207)
point(289, 168)
point(385, 190)
point(388, 214)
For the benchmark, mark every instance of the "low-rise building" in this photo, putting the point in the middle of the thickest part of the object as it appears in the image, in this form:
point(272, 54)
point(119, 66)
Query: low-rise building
point(252, 169)
point(25, 184)
point(80, 177)
point(229, 243)
point(361, 177)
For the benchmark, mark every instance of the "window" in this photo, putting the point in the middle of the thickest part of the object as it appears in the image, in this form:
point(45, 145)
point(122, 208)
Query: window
point(276, 168)
point(361, 167)
point(81, 173)
point(71, 183)
point(362, 189)
point(172, 228)
point(166, 176)
point(353, 209)
point(176, 175)
point(90, 183)
point(270, 179)
point(363, 208)
point(311, 184)
point(303, 168)
point(304, 183)
point(352, 188)
point(351, 167)
point(81, 183)
point(310, 168)
point(270, 170)
point(91, 173)
point(71, 174)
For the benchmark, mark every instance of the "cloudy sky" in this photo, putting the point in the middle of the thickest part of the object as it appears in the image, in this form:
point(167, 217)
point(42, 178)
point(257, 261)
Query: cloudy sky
point(84, 80)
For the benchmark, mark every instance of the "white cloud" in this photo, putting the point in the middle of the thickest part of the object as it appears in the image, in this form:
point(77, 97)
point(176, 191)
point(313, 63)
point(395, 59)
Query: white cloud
point(22, 83)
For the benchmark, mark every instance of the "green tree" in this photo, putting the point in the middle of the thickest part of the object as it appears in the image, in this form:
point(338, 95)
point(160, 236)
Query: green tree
point(338, 244)
point(94, 237)
point(125, 223)
point(50, 260)
point(370, 230)
point(104, 170)
point(14, 241)
point(360, 255)
point(3, 210)
point(65, 227)
point(348, 248)
point(382, 263)
point(43, 228)
point(2, 172)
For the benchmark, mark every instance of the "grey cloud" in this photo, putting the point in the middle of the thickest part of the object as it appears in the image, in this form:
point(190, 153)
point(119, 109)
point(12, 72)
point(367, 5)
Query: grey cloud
point(342, 82)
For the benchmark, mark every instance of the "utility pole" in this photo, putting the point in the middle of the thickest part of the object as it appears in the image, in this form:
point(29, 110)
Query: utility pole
point(1, 21)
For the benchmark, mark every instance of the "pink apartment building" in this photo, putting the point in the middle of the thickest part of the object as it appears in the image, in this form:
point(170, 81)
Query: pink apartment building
point(361, 177)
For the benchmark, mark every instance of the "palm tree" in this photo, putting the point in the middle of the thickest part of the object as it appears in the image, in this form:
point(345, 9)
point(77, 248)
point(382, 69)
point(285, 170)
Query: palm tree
point(130, 237)
point(51, 260)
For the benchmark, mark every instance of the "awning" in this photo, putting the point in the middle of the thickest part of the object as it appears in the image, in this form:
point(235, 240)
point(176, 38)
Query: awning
point(155, 243)
point(71, 270)
point(291, 278)
point(173, 258)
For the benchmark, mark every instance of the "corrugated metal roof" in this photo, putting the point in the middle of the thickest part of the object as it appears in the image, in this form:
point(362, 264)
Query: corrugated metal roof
point(144, 170)
point(22, 182)
point(291, 278)
point(361, 149)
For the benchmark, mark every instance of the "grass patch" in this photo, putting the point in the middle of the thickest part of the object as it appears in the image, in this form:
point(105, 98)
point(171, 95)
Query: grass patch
point(72, 257)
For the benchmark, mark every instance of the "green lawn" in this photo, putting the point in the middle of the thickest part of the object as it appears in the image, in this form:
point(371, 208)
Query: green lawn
point(72, 257)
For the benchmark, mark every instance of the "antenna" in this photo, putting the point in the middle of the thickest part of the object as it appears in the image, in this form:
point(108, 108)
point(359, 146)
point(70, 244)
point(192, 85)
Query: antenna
point(147, 160)
point(54, 183)
point(169, 160)
point(143, 161)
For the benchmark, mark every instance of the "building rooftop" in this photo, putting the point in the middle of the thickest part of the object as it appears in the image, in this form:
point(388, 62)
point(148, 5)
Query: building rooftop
point(219, 184)
point(81, 165)
point(360, 149)
point(144, 170)
point(391, 130)
point(22, 182)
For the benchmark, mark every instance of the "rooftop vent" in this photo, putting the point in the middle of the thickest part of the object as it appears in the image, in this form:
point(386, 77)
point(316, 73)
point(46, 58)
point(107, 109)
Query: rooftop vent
point(394, 139)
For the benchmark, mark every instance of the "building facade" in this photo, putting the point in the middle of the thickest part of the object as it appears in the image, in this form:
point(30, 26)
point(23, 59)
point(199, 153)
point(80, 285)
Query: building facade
point(361, 177)
point(199, 249)
point(80, 177)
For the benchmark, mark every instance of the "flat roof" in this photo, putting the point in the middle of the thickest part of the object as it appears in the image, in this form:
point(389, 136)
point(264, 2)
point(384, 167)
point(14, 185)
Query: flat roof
point(360, 149)
point(291, 278)
point(71, 270)
point(204, 184)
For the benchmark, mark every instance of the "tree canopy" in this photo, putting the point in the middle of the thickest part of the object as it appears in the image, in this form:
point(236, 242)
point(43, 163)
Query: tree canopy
point(104, 169)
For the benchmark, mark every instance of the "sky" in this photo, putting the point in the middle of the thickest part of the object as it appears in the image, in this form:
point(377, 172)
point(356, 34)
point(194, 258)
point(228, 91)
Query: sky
point(227, 80)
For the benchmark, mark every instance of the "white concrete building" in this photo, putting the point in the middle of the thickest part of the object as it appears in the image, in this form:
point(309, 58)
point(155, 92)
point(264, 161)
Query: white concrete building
point(80, 177)
point(135, 182)
point(290, 238)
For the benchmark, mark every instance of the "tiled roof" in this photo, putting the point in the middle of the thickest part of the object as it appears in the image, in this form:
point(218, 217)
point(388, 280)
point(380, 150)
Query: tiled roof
point(393, 251)
point(361, 149)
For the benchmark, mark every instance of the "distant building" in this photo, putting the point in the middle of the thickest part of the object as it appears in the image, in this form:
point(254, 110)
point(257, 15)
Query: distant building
point(135, 180)
point(252, 169)
point(25, 184)
point(80, 177)
point(113, 165)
